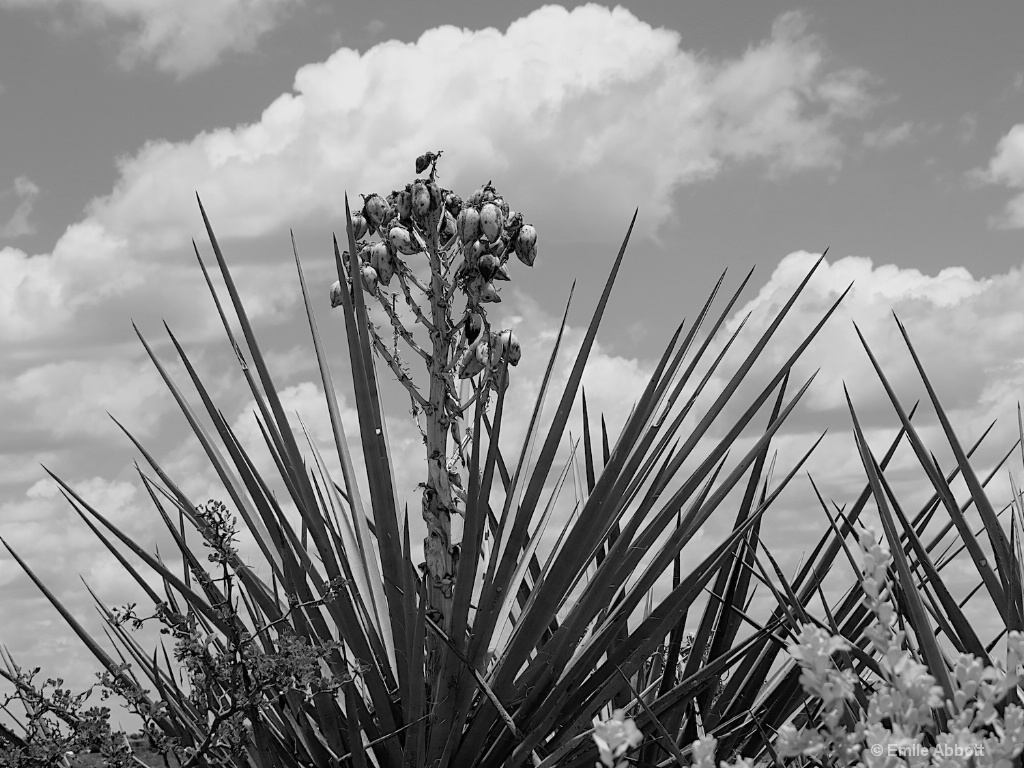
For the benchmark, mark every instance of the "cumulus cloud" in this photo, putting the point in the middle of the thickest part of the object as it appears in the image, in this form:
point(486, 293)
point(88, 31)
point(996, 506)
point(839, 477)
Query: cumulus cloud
point(1006, 168)
point(956, 322)
point(597, 98)
point(181, 37)
point(590, 94)
point(25, 192)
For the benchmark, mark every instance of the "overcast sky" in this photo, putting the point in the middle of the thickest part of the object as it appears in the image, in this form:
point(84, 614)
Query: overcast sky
point(747, 133)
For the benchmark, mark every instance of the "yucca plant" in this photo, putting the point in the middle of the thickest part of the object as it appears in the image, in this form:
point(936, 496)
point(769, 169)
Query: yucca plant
point(502, 649)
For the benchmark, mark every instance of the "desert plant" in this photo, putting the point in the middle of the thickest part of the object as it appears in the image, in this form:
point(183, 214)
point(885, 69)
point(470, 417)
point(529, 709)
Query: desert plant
point(351, 654)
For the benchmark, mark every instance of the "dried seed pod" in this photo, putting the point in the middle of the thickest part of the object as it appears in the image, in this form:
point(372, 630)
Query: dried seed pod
point(453, 203)
point(359, 226)
point(468, 224)
point(502, 206)
point(498, 249)
point(369, 275)
point(420, 199)
point(424, 160)
point(488, 265)
point(488, 293)
point(436, 196)
point(468, 363)
point(403, 240)
point(476, 198)
point(382, 262)
point(491, 221)
point(501, 273)
point(364, 254)
point(446, 227)
point(483, 353)
point(336, 299)
point(404, 204)
point(510, 347)
point(487, 194)
point(474, 325)
point(526, 245)
point(376, 210)
point(478, 249)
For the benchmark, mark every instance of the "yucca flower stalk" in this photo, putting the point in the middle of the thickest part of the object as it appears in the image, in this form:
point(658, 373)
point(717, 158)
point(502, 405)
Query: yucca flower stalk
point(467, 246)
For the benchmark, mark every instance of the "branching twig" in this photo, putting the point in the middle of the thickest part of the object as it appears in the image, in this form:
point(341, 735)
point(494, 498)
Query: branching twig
point(400, 329)
point(403, 273)
point(396, 367)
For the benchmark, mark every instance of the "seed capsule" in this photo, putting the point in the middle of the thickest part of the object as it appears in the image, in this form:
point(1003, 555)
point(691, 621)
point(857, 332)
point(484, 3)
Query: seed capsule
point(510, 347)
point(502, 206)
point(478, 249)
point(364, 254)
point(501, 273)
point(474, 325)
point(487, 194)
point(526, 245)
point(425, 160)
point(488, 265)
point(453, 203)
point(483, 353)
point(446, 228)
point(420, 199)
point(468, 363)
point(436, 196)
point(382, 262)
point(403, 240)
point(359, 226)
point(468, 225)
point(369, 279)
point(476, 198)
point(405, 207)
point(488, 293)
point(336, 294)
point(491, 221)
point(376, 210)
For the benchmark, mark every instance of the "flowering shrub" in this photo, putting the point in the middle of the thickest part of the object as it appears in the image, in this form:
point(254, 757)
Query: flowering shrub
point(898, 726)
point(614, 738)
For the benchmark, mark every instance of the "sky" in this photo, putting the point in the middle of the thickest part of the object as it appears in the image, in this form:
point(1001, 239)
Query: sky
point(747, 135)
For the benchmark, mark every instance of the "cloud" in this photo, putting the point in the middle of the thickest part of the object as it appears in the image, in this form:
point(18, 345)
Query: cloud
point(181, 37)
point(71, 398)
point(592, 95)
point(1006, 168)
point(956, 322)
point(888, 136)
point(19, 225)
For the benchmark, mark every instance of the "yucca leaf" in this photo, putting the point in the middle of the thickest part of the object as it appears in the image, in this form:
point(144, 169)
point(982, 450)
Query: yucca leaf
point(370, 580)
point(916, 616)
point(989, 577)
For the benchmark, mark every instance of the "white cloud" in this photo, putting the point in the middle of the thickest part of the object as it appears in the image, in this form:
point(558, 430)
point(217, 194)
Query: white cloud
point(591, 95)
point(181, 37)
point(593, 99)
point(1006, 168)
point(19, 224)
point(956, 322)
point(71, 398)
point(888, 136)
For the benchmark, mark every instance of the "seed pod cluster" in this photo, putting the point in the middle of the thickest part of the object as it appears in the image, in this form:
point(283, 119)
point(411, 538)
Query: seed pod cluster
point(487, 350)
point(481, 228)
point(489, 232)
